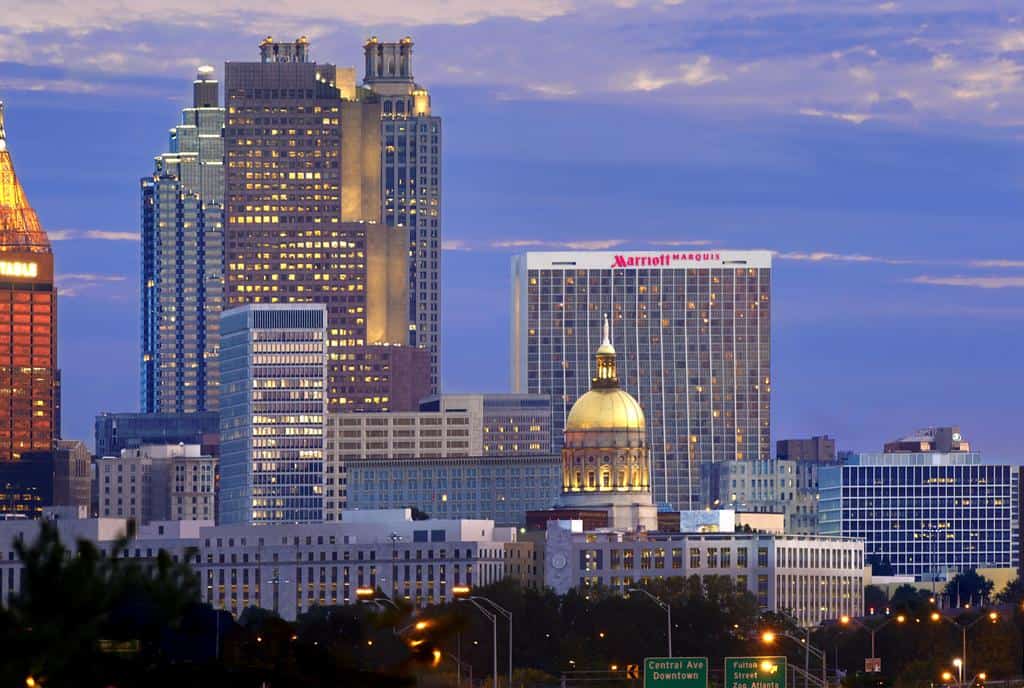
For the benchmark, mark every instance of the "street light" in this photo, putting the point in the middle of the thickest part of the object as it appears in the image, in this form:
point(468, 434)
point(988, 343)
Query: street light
point(992, 617)
point(462, 594)
point(768, 637)
point(665, 606)
point(959, 664)
point(873, 629)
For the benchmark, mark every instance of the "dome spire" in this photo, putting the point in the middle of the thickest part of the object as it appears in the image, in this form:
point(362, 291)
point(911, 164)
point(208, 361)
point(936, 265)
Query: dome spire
point(607, 376)
point(3, 134)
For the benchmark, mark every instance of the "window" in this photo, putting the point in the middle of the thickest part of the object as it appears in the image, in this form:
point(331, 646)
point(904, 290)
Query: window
point(694, 558)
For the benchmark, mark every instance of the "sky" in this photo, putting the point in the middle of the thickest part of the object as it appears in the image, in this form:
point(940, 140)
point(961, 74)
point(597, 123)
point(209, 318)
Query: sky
point(876, 147)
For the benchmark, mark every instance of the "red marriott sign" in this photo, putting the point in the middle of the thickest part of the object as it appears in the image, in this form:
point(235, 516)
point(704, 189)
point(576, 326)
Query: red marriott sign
point(662, 260)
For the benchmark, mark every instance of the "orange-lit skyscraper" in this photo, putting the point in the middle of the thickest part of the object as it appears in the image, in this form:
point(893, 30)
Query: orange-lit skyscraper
point(28, 321)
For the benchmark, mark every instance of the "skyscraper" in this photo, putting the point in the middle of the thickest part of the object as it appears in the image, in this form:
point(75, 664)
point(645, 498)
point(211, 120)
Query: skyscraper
point(692, 332)
point(183, 260)
point(411, 183)
point(28, 321)
point(273, 362)
point(302, 220)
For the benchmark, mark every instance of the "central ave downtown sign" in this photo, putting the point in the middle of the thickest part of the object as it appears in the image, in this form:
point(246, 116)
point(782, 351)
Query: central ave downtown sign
point(692, 672)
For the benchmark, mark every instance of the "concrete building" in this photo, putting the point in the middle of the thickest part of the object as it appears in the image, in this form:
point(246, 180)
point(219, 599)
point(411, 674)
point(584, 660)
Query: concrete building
point(448, 426)
point(925, 514)
point(174, 482)
point(411, 183)
point(273, 360)
point(817, 449)
point(692, 332)
point(813, 578)
point(182, 285)
point(28, 322)
point(118, 431)
point(944, 440)
point(303, 156)
point(787, 487)
point(72, 474)
point(289, 569)
point(499, 488)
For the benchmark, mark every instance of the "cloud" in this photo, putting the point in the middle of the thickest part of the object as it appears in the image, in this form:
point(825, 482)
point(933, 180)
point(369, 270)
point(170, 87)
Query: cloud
point(455, 245)
point(852, 117)
point(827, 256)
point(680, 242)
point(574, 245)
point(74, 283)
point(698, 73)
point(976, 282)
point(94, 234)
point(585, 245)
point(997, 263)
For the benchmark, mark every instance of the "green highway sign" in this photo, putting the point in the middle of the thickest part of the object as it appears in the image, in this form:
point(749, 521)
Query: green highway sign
point(755, 672)
point(676, 672)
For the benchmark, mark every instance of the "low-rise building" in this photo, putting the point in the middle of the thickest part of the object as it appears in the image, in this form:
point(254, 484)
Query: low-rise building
point(500, 488)
point(813, 578)
point(782, 486)
point(157, 483)
point(476, 426)
point(290, 568)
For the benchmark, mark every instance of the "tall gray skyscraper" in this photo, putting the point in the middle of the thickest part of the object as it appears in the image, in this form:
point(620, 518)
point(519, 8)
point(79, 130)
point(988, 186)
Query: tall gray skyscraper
point(411, 184)
point(692, 333)
point(183, 260)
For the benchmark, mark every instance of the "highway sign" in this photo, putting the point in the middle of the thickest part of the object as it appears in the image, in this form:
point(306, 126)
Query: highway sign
point(755, 672)
point(676, 672)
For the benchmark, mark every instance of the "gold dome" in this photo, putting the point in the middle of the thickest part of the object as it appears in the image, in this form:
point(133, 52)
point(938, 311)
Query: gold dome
point(605, 409)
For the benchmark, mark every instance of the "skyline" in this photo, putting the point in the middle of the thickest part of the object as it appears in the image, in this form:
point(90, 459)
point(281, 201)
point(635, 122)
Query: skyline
point(919, 206)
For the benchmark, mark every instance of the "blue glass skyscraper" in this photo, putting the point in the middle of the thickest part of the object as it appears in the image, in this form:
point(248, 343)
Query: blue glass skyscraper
point(183, 260)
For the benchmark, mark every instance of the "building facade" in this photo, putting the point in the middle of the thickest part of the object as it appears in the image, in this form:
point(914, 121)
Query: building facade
point(289, 569)
point(818, 449)
point(28, 322)
point(302, 150)
point(411, 184)
point(942, 439)
point(787, 487)
point(925, 514)
point(273, 375)
point(812, 578)
point(117, 431)
point(173, 482)
point(480, 426)
point(692, 332)
point(183, 260)
point(498, 488)
point(72, 474)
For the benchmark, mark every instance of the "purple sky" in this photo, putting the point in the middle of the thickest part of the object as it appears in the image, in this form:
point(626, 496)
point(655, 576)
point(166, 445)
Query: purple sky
point(877, 147)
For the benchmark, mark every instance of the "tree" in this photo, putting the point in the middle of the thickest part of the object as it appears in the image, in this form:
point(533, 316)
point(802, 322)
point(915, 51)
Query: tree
point(1013, 593)
point(968, 587)
point(875, 599)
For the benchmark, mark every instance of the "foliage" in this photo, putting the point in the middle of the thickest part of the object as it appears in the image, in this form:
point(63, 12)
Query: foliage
point(874, 599)
point(968, 587)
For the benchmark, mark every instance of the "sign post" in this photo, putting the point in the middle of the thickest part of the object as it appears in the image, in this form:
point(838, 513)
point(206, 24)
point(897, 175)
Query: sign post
point(676, 672)
point(755, 672)
point(872, 665)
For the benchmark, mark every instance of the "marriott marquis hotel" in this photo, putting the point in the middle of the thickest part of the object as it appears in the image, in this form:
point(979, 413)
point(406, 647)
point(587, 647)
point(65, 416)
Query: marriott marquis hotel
point(692, 332)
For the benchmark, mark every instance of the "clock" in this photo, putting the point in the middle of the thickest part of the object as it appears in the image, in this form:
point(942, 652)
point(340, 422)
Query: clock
point(559, 561)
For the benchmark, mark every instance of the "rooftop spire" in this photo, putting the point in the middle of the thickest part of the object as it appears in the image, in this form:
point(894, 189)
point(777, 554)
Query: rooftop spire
point(19, 226)
point(607, 376)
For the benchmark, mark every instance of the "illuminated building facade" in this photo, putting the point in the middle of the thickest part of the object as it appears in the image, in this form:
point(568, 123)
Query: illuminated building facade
point(28, 322)
point(925, 514)
point(411, 184)
point(692, 335)
point(183, 260)
point(273, 373)
point(477, 427)
point(302, 220)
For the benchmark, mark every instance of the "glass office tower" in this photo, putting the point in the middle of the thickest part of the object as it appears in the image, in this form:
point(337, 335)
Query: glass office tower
point(183, 260)
point(924, 514)
point(28, 322)
point(692, 332)
point(273, 373)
